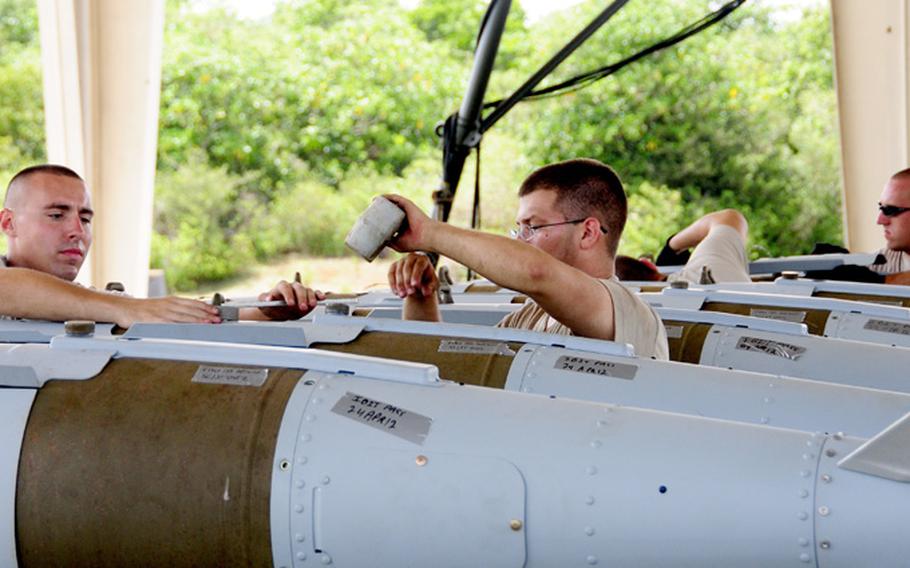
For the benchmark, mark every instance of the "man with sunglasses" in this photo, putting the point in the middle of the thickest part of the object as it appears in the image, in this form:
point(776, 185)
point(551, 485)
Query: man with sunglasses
point(570, 218)
point(893, 261)
point(719, 255)
point(894, 217)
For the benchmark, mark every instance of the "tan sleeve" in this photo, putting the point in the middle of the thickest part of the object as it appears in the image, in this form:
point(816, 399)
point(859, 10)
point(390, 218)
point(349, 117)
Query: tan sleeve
point(514, 320)
point(636, 323)
point(724, 252)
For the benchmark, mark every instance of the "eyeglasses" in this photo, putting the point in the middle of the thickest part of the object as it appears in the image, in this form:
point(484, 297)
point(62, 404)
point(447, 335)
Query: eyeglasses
point(892, 210)
point(527, 232)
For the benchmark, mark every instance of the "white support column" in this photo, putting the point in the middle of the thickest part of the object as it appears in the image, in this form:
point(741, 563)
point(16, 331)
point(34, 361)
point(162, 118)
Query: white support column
point(871, 48)
point(102, 79)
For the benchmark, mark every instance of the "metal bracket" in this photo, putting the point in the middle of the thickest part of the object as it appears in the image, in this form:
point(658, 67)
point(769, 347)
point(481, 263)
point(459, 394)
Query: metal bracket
point(256, 355)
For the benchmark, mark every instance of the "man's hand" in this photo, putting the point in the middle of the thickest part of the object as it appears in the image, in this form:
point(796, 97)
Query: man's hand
point(163, 310)
point(413, 275)
point(300, 300)
point(415, 230)
point(414, 279)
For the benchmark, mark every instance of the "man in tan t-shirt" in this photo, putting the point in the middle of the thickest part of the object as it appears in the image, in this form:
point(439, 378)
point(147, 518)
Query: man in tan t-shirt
point(719, 239)
point(570, 218)
point(47, 220)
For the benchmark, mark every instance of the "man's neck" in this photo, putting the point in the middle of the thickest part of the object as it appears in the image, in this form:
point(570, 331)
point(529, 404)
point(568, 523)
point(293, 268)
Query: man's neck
point(600, 266)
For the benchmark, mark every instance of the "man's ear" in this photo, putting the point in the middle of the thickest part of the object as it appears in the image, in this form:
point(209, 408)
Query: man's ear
point(592, 233)
point(6, 222)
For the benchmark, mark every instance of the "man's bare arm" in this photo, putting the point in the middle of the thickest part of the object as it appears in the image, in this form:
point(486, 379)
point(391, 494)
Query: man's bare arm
point(569, 295)
point(26, 293)
point(697, 231)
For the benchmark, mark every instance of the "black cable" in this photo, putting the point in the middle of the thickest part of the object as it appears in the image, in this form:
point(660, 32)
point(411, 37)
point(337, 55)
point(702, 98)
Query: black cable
point(585, 79)
point(504, 105)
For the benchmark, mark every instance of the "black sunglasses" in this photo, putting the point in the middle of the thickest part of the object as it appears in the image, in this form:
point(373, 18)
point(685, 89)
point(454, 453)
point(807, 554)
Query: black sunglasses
point(892, 210)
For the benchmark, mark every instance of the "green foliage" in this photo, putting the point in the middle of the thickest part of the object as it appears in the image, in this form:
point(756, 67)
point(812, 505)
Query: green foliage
point(21, 111)
point(275, 133)
point(332, 93)
point(729, 118)
point(18, 25)
point(210, 226)
point(456, 23)
point(314, 218)
point(201, 217)
point(654, 214)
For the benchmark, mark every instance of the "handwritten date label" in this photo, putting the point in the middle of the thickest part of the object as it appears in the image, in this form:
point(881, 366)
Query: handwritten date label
point(237, 376)
point(886, 326)
point(780, 315)
point(596, 367)
point(385, 417)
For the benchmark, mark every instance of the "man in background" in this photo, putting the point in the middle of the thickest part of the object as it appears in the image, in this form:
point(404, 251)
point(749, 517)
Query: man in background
point(893, 216)
point(719, 240)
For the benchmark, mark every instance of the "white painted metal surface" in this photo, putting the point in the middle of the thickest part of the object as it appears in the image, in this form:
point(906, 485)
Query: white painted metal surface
point(686, 299)
point(32, 365)
point(475, 314)
point(844, 287)
point(258, 355)
point(858, 321)
point(806, 288)
point(564, 483)
point(285, 334)
point(479, 332)
point(871, 329)
point(742, 396)
point(842, 523)
point(39, 331)
point(15, 405)
point(886, 455)
point(327, 328)
point(733, 320)
point(830, 360)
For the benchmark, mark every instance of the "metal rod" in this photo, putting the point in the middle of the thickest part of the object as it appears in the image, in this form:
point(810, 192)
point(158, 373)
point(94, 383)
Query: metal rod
point(484, 57)
point(461, 131)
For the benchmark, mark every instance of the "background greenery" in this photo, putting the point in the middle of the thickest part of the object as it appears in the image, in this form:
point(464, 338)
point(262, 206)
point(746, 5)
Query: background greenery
point(275, 134)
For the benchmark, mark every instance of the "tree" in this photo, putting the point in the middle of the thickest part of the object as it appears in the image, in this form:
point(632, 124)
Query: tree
point(728, 118)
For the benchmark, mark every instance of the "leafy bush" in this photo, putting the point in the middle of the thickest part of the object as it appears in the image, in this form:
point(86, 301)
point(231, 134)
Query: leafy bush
point(201, 221)
point(276, 133)
point(655, 213)
point(728, 118)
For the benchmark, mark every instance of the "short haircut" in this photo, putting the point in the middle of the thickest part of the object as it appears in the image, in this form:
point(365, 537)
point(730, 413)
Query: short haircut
point(632, 269)
point(584, 188)
point(50, 169)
